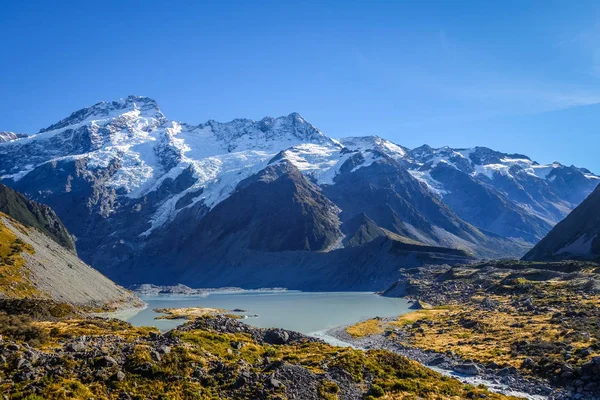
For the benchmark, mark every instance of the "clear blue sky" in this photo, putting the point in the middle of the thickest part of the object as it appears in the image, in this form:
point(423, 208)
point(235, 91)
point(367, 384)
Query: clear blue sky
point(519, 76)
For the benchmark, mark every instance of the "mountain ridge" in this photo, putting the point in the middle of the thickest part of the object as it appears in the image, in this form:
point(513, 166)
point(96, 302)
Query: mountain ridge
point(37, 263)
point(122, 176)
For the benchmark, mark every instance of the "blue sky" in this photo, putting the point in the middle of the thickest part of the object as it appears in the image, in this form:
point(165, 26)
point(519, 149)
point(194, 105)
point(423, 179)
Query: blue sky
point(517, 76)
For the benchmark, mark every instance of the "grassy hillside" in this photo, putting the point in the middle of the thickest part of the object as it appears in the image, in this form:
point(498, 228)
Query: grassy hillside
point(36, 215)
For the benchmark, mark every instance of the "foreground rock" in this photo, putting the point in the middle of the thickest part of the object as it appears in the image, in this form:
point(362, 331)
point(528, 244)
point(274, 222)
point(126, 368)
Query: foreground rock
point(212, 357)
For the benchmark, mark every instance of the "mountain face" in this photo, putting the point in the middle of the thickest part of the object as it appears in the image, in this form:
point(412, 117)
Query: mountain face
point(37, 260)
point(176, 201)
point(507, 194)
point(576, 237)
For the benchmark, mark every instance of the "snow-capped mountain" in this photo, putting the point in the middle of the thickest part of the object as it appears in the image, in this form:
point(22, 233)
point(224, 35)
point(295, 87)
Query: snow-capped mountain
point(130, 183)
point(507, 194)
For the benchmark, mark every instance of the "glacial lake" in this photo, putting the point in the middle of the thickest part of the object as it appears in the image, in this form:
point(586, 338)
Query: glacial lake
point(306, 312)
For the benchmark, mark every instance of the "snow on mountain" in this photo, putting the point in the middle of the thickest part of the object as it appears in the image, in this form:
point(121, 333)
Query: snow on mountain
point(526, 194)
point(148, 149)
point(482, 162)
point(362, 143)
point(130, 159)
point(322, 162)
point(8, 136)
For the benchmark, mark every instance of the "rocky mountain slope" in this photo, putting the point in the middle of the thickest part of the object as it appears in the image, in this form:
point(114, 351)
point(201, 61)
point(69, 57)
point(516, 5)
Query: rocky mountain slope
point(37, 260)
point(576, 237)
point(129, 183)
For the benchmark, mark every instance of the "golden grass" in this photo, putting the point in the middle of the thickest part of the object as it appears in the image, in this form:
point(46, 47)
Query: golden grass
point(419, 315)
point(490, 338)
point(14, 278)
point(192, 313)
point(376, 326)
point(366, 328)
point(394, 377)
point(92, 327)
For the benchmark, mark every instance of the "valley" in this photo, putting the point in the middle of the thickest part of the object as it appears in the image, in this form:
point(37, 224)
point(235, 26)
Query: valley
point(144, 194)
point(394, 272)
point(300, 200)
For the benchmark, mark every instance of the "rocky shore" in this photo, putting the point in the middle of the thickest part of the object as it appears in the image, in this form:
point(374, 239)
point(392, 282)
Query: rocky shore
point(518, 326)
point(506, 380)
point(147, 289)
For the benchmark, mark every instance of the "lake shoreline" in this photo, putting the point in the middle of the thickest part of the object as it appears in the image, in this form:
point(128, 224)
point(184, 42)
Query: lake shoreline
point(305, 312)
point(509, 384)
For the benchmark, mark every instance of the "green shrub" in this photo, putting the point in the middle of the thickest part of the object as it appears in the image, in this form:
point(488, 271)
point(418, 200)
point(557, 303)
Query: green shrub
point(376, 391)
point(20, 327)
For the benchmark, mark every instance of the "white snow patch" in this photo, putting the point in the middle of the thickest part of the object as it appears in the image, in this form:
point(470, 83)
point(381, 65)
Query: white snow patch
point(490, 170)
point(582, 246)
point(434, 186)
point(363, 143)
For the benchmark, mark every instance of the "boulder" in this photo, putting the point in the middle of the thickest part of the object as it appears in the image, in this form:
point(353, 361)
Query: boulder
point(276, 336)
point(466, 369)
point(420, 305)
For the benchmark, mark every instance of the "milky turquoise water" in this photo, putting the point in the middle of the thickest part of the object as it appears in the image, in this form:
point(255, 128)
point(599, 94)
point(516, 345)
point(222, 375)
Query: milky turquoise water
point(305, 312)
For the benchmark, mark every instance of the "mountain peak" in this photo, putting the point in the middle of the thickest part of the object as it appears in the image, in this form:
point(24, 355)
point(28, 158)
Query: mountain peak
point(374, 142)
point(291, 129)
point(104, 109)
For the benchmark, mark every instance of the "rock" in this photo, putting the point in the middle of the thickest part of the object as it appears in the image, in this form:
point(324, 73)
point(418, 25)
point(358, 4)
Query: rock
point(145, 370)
point(528, 363)
point(155, 356)
point(275, 384)
point(566, 368)
point(21, 363)
point(466, 369)
point(243, 378)
point(154, 335)
point(24, 376)
point(119, 376)
point(106, 361)
point(587, 352)
point(75, 347)
point(13, 347)
point(420, 305)
point(436, 360)
point(276, 336)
